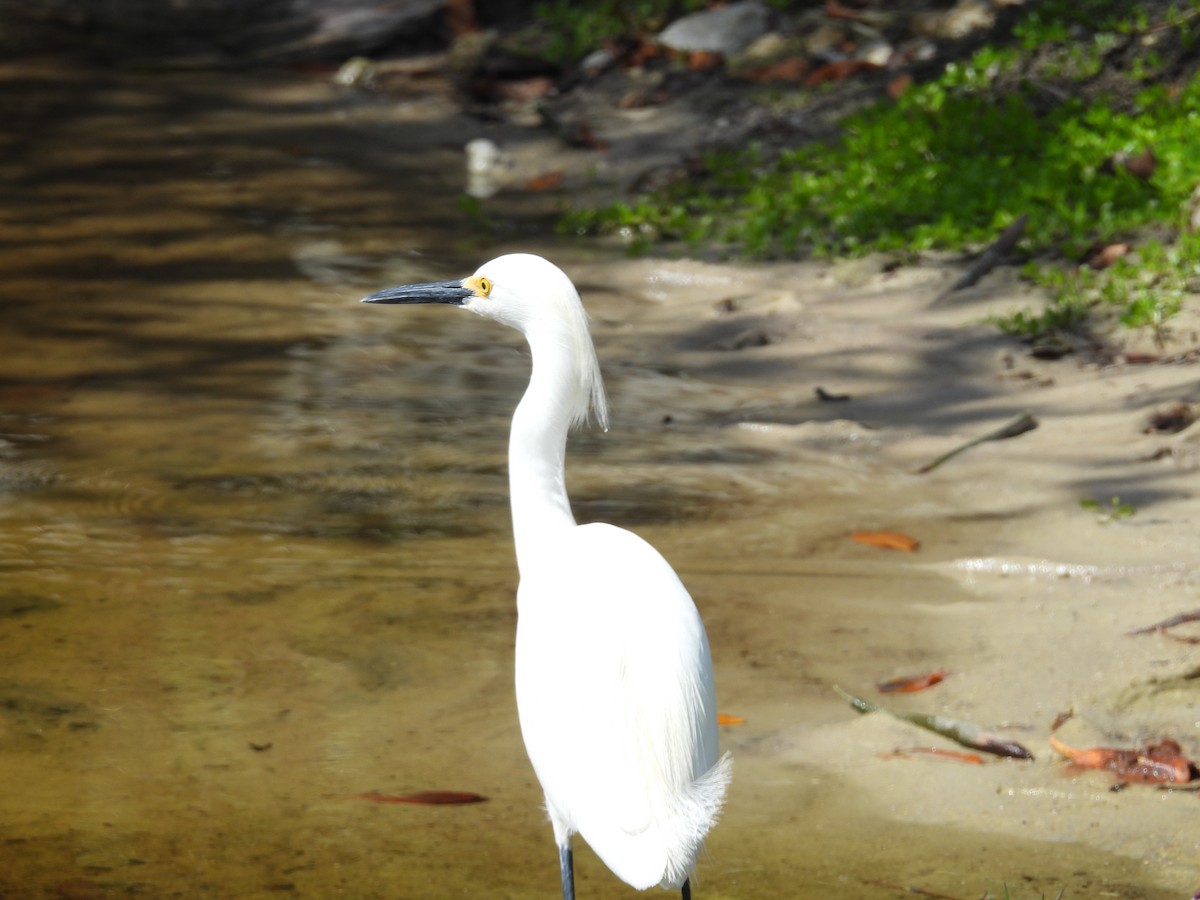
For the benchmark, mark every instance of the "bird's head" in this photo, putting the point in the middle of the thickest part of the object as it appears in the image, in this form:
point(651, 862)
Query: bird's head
point(520, 289)
point(528, 293)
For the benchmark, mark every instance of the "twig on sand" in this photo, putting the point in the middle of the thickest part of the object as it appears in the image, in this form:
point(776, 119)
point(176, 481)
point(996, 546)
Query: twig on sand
point(964, 733)
point(1021, 424)
point(988, 259)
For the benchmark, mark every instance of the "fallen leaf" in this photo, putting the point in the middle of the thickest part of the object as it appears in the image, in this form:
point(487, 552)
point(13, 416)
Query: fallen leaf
point(1106, 256)
point(898, 86)
point(888, 540)
point(835, 10)
point(725, 719)
point(793, 68)
point(547, 182)
point(1162, 762)
point(423, 798)
point(704, 60)
point(909, 889)
point(941, 752)
point(1141, 166)
point(1170, 421)
point(583, 136)
point(913, 683)
point(1062, 718)
point(459, 16)
point(838, 71)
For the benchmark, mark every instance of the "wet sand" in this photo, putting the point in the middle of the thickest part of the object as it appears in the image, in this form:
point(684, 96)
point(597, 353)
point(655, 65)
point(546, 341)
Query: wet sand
point(257, 559)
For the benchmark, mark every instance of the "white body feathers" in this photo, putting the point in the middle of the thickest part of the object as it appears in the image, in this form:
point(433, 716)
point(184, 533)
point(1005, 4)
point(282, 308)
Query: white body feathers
point(614, 677)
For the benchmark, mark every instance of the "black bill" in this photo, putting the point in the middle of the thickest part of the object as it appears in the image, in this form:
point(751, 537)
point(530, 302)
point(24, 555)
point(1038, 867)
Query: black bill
point(451, 292)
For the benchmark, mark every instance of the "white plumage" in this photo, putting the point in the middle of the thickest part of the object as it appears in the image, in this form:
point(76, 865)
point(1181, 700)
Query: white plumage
point(613, 673)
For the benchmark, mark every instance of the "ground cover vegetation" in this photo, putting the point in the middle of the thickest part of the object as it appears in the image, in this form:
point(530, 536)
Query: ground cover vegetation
point(1082, 118)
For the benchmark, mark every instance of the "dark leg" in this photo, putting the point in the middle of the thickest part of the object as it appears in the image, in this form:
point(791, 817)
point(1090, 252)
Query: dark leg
point(687, 889)
point(566, 862)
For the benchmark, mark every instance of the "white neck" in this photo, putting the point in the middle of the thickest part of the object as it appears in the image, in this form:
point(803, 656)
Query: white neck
point(537, 447)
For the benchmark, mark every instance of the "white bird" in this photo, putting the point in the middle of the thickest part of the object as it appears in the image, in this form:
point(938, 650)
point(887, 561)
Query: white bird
point(613, 673)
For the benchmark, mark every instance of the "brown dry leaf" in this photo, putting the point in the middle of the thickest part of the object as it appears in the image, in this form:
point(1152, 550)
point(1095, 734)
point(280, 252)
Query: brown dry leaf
point(726, 719)
point(888, 540)
point(582, 135)
point(910, 684)
point(1141, 166)
point(1162, 762)
point(1106, 256)
point(704, 61)
point(897, 87)
point(1062, 718)
point(835, 10)
point(838, 71)
point(546, 182)
point(423, 798)
point(1171, 421)
point(460, 17)
point(793, 68)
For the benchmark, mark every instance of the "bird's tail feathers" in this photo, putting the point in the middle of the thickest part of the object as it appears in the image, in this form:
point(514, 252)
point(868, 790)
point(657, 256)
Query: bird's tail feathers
point(695, 814)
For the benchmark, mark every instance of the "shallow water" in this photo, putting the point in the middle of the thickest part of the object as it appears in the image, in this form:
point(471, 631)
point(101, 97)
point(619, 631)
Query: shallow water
point(255, 547)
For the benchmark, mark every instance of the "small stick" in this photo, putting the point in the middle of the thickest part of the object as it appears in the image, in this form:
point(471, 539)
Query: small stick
point(989, 258)
point(1021, 424)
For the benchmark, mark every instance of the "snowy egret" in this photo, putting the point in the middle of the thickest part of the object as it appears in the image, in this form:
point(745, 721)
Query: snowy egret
point(614, 678)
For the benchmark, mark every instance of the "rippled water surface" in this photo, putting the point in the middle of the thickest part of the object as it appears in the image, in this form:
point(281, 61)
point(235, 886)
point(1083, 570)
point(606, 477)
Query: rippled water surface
point(254, 536)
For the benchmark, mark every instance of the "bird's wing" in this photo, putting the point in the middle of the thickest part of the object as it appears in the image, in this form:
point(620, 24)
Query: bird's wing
point(614, 685)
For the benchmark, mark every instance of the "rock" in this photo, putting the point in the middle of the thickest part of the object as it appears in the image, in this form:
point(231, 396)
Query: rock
point(726, 30)
point(967, 16)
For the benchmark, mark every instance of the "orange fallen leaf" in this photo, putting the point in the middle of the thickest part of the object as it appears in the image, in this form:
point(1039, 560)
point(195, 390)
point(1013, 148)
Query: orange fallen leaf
point(725, 719)
point(1162, 762)
point(940, 752)
point(424, 798)
point(913, 683)
point(888, 540)
point(547, 182)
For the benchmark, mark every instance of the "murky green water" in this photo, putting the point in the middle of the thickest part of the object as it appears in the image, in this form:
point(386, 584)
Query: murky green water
point(254, 536)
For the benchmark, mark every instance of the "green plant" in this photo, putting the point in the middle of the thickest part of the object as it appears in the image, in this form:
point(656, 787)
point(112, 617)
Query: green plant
point(1114, 511)
point(956, 160)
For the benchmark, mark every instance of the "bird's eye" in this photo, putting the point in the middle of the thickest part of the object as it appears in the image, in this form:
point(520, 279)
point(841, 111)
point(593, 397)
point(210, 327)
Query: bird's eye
point(485, 286)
